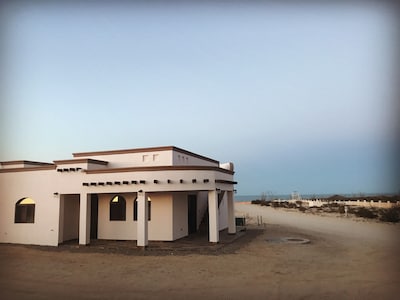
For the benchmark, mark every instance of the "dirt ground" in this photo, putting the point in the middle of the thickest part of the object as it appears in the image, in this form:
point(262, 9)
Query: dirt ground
point(343, 263)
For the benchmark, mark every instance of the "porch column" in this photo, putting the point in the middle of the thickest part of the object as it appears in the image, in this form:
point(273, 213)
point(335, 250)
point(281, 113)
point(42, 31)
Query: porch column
point(231, 214)
point(84, 219)
point(61, 219)
point(142, 220)
point(213, 217)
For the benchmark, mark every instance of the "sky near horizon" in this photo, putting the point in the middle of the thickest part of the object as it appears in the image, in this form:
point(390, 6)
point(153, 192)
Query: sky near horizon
point(299, 97)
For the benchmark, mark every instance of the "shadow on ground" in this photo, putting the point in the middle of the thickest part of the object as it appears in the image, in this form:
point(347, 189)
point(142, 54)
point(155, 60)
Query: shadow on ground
point(194, 244)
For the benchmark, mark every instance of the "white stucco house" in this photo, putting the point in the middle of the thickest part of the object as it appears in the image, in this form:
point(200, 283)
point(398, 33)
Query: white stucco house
point(159, 193)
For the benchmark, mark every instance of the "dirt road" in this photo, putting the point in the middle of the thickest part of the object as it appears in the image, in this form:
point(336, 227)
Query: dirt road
point(346, 260)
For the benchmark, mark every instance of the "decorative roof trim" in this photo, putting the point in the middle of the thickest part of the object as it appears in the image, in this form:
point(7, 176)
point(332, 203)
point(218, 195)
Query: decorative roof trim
point(40, 168)
point(225, 181)
point(139, 150)
point(16, 162)
point(80, 161)
point(160, 168)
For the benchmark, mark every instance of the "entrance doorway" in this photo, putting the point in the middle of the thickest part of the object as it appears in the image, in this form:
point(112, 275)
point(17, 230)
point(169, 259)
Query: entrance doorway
point(69, 217)
point(192, 214)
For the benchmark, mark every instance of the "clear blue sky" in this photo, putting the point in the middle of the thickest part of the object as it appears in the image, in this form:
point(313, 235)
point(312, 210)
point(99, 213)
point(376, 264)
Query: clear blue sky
point(299, 97)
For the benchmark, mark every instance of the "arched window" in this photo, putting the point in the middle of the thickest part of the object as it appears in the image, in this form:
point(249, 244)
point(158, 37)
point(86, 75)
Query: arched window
point(118, 208)
point(135, 209)
point(25, 211)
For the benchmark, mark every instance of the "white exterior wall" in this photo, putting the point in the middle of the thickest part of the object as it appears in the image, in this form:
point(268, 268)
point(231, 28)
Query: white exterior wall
point(223, 213)
point(143, 159)
point(182, 159)
point(149, 186)
point(69, 217)
point(151, 158)
point(116, 230)
point(180, 215)
point(38, 186)
point(160, 225)
point(364, 203)
point(57, 197)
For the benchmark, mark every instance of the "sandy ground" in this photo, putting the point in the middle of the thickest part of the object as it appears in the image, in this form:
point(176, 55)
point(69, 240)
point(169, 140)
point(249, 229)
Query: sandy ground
point(346, 259)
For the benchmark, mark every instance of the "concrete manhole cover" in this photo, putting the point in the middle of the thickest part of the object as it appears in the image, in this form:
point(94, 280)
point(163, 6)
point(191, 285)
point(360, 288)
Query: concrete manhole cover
point(288, 240)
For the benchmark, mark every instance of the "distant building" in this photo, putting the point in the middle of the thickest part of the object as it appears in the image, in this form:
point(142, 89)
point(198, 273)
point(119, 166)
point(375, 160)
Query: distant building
point(160, 194)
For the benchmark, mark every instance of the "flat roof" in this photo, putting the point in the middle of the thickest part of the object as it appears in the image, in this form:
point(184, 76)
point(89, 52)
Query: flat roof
point(139, 150)
point(80, 160)
point(19, 162)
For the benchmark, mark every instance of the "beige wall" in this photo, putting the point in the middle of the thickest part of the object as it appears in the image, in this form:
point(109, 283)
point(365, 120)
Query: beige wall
point(38, 186)
point(69, 217)
point(156, 158)
point(182, 159)
point(56, 196)
point(223, 212)
point(160, 225)
point(364, 203)
point(180, 215)
point(116, 230)
point(152, 158)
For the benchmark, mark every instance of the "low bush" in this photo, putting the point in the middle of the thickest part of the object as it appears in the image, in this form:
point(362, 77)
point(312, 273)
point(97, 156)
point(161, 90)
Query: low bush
point(302, 209)
point(331, 205)
point(366, 213)
point(352, 210)
point(390, 215)
point(261, 202)
point(275, 204)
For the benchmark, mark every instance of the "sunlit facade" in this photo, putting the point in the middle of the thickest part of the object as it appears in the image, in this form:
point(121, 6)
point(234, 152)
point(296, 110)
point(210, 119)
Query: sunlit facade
point(159, 193)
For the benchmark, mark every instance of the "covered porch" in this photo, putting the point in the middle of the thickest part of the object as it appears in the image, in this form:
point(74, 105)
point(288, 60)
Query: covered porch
point(81, 211)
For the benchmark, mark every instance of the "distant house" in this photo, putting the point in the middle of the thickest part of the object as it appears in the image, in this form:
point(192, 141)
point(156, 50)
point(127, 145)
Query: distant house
point(159, 194)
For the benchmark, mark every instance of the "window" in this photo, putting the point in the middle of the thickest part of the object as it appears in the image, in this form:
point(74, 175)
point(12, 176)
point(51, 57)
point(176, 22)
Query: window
point(135, 209)
point(118, 208)
point(25, 211)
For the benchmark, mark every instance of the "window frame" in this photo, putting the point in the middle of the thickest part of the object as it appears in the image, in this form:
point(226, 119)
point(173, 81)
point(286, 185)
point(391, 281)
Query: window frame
point(117, 208)
point(24, 213)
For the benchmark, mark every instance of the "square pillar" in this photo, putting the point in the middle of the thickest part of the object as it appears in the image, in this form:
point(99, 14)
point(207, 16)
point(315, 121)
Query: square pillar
point(213, 216)
point(142, 220)
point(61, 219)
point(84, 219)
point(231, 214)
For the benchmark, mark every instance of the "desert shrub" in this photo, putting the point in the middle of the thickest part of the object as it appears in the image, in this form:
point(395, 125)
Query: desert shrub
point(390, 215)
point(265, 203)
point(341, 209)
point(331, 205)
point(302, 209)
point(261, 202)
point(364, 212)
point(275, 204)
point(352, 210)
